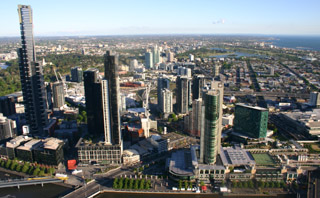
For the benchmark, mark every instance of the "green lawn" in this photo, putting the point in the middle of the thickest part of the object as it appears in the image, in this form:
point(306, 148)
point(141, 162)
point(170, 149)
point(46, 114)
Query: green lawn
point(263, 159)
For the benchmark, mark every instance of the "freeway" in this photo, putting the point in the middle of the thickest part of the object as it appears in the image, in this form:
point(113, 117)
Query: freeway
point(267, 94)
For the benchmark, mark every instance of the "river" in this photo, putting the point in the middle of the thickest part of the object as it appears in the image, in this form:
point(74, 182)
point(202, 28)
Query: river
point(48, 190)
point(175, 195)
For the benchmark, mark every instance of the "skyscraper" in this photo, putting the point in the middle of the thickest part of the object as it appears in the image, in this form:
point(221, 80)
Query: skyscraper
point(314, 100)
point(31, 75)
point(198, 82)
point(210, 140)
point(93, 93)
point(156, 55)
point(183, 94)
point(149, 60)
point(58, 94)
point(166, 101)
point(76, 74)
point(112, 76)
point(211, 128)
point(163, 83)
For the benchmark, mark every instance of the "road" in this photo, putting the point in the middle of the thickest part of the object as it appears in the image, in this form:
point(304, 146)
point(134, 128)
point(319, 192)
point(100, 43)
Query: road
point(268, 94)
point(12, 183)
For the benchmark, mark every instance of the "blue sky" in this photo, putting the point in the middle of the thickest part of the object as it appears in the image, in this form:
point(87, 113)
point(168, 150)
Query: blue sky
point(118, 17)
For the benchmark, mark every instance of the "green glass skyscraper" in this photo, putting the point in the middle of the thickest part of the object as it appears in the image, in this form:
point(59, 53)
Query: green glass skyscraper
point(211, 133)
point(251, 121)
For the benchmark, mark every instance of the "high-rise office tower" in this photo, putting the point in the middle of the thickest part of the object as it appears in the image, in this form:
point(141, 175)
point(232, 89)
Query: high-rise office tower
point(196, 117)
point(76, 74)
point(163, 83)
point(58, 94)
point(148, 60)
point(198, 82)
point(314, 100)
point(183, 94)
point(133, 65)
point(251, 121)
point(92, 88)
point(112, 76)
point(97, 104)
point(156, 55)
point(166, 101)
point(31, 75)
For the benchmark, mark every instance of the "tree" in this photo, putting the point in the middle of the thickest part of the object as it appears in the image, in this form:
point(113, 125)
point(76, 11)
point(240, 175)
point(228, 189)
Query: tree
point(30, 170)
point(271, 184)
point(190, 184)
point(147, 187)
point(18, 167)
point(142, 184)
point(185, 184)
point(180, 184)
point(245, 184)
point(126, 183)
point(131, 183)
point(278, 184)
point(250, 184)
point(136, 184)
point(234, 184)
point(25, 168)
point(223, 183)
point(120, 183)
point(201, 183)
point(240, 184)
point(41, 173)
point(267, 184)
point(13, 165)
point(261, 184)
point(8, 163)
point(36, 171)
point(115, 183)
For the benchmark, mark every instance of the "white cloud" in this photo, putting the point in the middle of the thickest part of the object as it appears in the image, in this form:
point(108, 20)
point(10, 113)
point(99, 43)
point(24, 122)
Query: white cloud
point(220, 21)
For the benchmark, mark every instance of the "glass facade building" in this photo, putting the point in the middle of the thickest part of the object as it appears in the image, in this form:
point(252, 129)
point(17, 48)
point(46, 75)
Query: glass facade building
point(251, 121)
point(212, 128)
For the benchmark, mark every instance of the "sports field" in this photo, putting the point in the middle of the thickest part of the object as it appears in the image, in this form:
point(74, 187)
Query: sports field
point(263, 159)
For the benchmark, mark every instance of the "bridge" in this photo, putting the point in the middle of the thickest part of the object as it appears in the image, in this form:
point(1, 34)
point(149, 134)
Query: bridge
point(267, 94)
point(27, 182)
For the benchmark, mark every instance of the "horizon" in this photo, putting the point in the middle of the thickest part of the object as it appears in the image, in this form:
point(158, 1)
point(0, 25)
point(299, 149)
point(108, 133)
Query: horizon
point(79, 18)
point(176, 34)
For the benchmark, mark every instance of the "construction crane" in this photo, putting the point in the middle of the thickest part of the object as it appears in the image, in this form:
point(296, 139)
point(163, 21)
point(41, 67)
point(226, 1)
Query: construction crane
point(145, 97)
point(64, 84)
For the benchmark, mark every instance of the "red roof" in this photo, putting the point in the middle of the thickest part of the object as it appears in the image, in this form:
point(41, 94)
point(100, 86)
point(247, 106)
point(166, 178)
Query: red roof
point(204, 187)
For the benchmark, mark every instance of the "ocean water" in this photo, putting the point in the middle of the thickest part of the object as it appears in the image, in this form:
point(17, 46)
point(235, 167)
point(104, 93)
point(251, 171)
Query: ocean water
point(297, 42)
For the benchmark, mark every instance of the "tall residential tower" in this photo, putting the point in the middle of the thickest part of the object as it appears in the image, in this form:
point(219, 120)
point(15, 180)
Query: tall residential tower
point(31, 75)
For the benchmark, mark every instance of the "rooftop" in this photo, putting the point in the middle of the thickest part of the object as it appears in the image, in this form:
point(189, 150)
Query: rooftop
point(181, 163)
point(17, 141)
point(252, 107)
point(236, 156)
point(30, 145)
